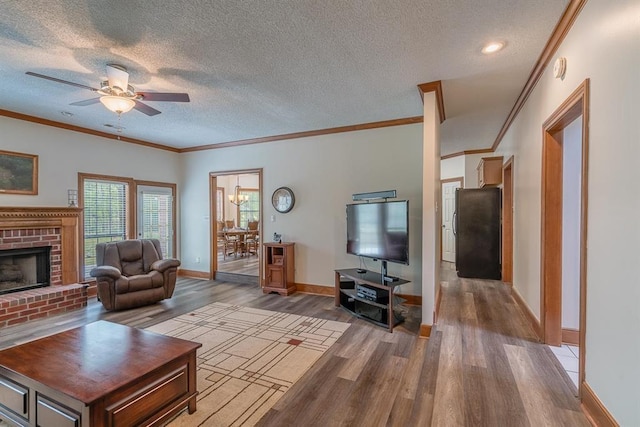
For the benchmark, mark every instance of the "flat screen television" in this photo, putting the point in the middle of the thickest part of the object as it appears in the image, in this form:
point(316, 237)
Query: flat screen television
point(379, 230)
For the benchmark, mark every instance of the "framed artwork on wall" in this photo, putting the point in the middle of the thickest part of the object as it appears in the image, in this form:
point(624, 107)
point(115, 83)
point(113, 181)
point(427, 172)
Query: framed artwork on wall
point(18, 173)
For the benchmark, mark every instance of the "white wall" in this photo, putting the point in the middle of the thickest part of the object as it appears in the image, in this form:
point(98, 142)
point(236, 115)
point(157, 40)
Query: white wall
point(465, 166)
point(323, 172)
point(571, 177)
point(603, 45)
point(62, 154)
point(452, 167)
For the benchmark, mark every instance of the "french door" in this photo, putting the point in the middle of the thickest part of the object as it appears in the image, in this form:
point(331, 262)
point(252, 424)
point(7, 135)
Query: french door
point(156, 215)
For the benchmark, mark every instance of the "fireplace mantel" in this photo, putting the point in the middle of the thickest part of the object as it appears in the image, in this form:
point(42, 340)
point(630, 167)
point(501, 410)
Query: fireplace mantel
point(67, 219)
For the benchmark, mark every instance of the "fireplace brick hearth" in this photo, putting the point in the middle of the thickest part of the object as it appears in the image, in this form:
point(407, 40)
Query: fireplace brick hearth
point(20, 307)
point(26, 227)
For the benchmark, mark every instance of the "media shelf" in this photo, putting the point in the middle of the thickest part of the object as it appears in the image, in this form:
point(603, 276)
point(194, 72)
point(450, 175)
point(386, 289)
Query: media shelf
point(381, 311)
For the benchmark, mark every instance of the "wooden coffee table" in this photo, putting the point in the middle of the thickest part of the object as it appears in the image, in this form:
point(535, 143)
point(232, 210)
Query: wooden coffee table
point(101, 374)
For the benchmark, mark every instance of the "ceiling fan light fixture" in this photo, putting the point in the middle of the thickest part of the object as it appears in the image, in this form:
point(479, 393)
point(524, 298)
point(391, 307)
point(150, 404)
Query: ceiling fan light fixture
point(117, 104)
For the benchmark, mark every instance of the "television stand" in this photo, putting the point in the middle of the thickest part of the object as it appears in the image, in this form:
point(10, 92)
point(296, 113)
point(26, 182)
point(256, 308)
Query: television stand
point(376, 300)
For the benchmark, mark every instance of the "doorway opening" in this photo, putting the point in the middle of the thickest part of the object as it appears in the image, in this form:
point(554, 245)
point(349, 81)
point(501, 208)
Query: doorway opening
point(448, 242)
point(555, 256)
point(236, 225)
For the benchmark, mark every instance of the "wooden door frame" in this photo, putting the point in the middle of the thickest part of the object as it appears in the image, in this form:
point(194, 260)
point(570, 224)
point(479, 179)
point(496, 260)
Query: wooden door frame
point(459, 179)
point(213, 188)
point(576, 105)
point(507, 221)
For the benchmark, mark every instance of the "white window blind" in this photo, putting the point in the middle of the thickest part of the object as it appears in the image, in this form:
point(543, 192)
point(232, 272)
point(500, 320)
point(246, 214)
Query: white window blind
point(105, 216)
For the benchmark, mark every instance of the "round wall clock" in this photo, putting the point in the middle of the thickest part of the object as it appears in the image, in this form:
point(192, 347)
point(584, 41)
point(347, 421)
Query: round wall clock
point(283, 199)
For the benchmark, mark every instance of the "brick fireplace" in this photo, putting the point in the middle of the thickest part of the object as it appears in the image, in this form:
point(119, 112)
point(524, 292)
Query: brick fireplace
point(38, 227)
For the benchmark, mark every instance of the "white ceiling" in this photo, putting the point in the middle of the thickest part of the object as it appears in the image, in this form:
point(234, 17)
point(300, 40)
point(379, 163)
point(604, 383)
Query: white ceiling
point(262, 68)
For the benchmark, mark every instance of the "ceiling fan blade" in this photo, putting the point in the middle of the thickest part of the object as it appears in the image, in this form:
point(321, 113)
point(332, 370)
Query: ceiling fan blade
point(144, 108)
point(53, 79)
point(164, 96)
point(86, 102)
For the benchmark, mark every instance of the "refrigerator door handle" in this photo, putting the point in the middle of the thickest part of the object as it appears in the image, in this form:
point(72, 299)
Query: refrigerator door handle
point(455, 214)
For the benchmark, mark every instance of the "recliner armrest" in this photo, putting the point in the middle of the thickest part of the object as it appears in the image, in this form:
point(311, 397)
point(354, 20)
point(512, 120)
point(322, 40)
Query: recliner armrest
point(106, 270)
point(163, 264)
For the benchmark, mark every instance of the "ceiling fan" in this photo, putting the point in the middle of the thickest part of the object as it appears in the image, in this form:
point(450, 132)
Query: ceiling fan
point(118, 95)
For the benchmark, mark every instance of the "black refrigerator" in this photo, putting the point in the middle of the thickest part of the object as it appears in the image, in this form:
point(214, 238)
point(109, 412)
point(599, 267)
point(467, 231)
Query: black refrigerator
point(477, 233)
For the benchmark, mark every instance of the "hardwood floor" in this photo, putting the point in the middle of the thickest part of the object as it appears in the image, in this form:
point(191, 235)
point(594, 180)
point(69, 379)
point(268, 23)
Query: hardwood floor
point(247, 264)
point(481, 367)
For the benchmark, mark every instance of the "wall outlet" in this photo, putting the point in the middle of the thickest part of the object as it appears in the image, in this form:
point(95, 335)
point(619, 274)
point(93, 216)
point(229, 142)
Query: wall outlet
point(273, 218)
point(197, 260)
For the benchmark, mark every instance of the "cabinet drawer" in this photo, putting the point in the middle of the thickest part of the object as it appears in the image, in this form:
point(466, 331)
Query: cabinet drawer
point(50, 414)
point(135, 408)
point(14, 397)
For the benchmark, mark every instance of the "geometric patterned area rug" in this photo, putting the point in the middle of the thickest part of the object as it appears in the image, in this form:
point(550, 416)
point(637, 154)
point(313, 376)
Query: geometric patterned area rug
point(249, 358)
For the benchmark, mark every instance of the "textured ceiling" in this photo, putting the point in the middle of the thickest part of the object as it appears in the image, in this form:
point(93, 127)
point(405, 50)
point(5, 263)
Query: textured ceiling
point(261, 68)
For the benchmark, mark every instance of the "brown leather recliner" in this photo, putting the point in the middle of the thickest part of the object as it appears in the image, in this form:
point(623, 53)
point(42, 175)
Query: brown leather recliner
point(132, 273)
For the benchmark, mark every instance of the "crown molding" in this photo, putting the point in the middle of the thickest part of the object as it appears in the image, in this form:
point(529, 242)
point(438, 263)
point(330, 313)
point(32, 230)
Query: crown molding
point(466, 152)
point(60, 125)
point(436, 87)
point(557, 36)
point(351, 128)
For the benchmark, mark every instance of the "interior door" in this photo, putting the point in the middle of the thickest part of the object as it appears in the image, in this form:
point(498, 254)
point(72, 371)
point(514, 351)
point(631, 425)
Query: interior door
point(155, 216)
point(448, 207)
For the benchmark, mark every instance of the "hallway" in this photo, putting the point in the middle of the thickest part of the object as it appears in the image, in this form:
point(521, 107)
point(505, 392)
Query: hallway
point(491, 368)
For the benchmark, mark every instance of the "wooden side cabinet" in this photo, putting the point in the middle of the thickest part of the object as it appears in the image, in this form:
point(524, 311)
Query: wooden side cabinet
point(279, 268)
point(490, 171)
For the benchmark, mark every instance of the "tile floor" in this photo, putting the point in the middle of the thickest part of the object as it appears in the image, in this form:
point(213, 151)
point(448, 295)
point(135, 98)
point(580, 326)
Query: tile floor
point(568, 357)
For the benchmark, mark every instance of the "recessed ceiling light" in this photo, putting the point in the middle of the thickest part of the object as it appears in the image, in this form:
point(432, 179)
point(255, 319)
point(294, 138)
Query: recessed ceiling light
point(66, 113)
point(492, 47)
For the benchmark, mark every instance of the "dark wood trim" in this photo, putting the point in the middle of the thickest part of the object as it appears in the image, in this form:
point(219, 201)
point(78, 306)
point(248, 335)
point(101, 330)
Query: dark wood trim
point(466, 153)
point(436, 87)
point(411, 299)
point(213, 234)
point(570, 336)
point(526, 310)
point(131, 206)
point(425, 331)
point(295, 135)
point(174, 194)
point(507, 221)
point(576, 105)
point(52, 123)
point(193, 273)
point(594, 410)
point(68, 219)
point(557, 36)
point(315, 289)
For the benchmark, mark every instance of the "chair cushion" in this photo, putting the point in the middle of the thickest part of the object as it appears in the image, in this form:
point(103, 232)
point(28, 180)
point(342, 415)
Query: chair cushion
point(139, 282)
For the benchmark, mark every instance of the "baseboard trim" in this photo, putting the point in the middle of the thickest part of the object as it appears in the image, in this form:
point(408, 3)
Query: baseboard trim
point(193, 273)
point(531, 318)
point(411, 299)
point(425, 331)
point(315, 289)
point(570, 336)
point(594, 410)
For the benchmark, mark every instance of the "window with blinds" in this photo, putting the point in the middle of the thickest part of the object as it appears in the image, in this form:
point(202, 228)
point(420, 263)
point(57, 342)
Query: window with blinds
point(249, 211)
point(220, 203)
point(105, 206)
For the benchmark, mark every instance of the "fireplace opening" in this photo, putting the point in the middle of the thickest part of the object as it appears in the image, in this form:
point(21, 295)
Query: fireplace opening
point(26, 268)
